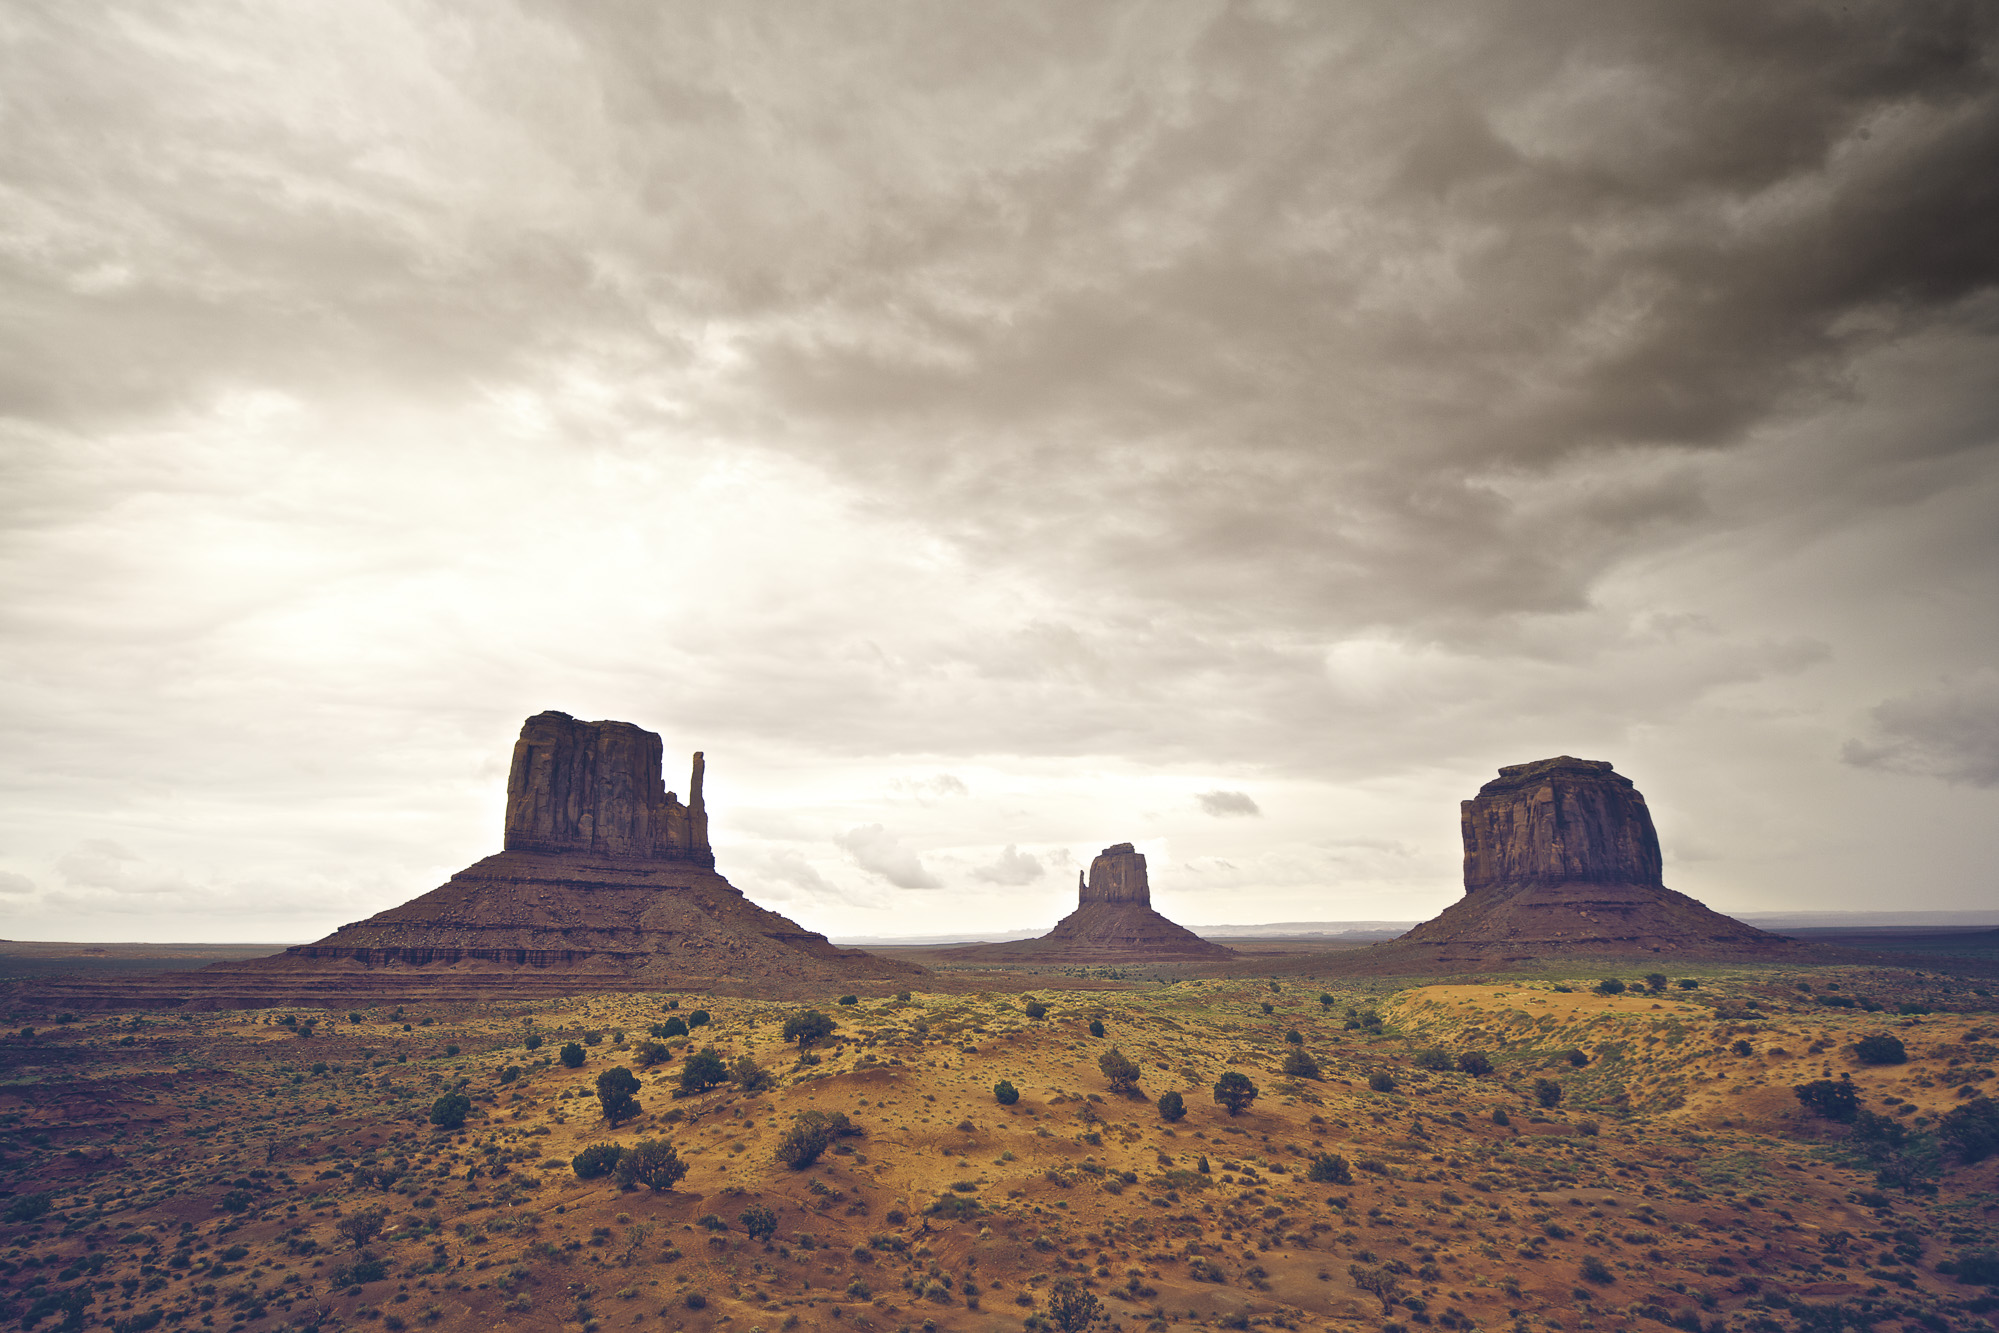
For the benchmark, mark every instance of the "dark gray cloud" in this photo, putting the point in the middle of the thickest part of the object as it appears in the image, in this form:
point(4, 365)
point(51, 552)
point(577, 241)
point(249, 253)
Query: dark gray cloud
point(1949, 731)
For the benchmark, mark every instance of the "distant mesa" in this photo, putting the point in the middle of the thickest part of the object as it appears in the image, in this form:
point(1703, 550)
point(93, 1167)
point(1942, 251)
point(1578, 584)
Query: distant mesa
point(1561, 858)
point(606, 882)
point(1114, 922)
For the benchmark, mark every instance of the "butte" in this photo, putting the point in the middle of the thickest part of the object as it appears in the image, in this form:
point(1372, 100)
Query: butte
point(1114, 922)
point(606, 881)
point(1561, 860)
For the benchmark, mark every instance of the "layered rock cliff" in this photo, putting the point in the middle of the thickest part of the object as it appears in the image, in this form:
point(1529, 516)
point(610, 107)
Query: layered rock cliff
point(1561, 857)
point(1114, 922)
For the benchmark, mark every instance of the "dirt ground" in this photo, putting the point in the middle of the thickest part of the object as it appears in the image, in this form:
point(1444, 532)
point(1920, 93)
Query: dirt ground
point(1627, 1160)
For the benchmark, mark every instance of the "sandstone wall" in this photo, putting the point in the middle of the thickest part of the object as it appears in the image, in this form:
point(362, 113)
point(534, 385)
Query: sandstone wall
point(1556, 821)
point(595, 788)
point(1117, 875)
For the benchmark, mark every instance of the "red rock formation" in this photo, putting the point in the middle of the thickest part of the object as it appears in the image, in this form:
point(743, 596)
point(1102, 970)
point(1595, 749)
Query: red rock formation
point(606, 883)
point(1113, 923)
point(1561, 858)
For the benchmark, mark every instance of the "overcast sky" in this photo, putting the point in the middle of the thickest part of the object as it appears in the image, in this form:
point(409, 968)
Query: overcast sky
point(992, 432)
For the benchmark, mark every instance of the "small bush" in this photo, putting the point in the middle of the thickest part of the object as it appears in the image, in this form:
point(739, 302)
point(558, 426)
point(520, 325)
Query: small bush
point(450, 1110)
point(1433, 1059)
point(1172, 1106)
point(1597, 1271)
point(808, 1026)
point(1547, 1092)
point(759, 1221)
point(1610, 986)
point(750, 1076)
point(850, 999)
point(1475, 1063)
point(1577, 1058)
point(1036, 1009)
point(1297, 1064)
point(450, 1049)
point(1005, 1093)
point(652, 1163)
point(1881, 1049)
point(703, 1070)
point(599, 1159)
point(672, 1027)
point(1234, 1092)
point(615, 1093)
point(1121, 1071)
point(1499, 1116)
point(1688, 983)
point(1381, 1081)
point(572, 1055)
point(1096, 1027)
point(532, 1041)
point(1269, 1008)
point(700, 1018)
point(1329, 1168)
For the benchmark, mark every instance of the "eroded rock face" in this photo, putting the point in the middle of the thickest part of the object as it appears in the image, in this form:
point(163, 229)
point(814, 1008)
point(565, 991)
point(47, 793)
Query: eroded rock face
point(1559, 821)
point(1114, 922)
point(595, 787)
point(1117, 875)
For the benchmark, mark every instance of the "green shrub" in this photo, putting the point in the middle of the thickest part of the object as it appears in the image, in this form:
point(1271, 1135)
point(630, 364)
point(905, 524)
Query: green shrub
point(1036, 1009)
point(1596, 1270)
point(850, 999)
point(532, 1041)
point(1381, 1081)
point(1433, 1059)
point(450, 1110)
point(1688, 983)
point(650, 1053)
point(28, 1207)
point(1329, 1168)
point(1547, 1092)
point(750, 1076)
point(703, 1070)
point(1172, 1106)
point(759, 1221)
point(572, 1055)
point(1610, 986)
point(616, 1089)
point(1234, 1092)
point(1120, 1070)
point(1499, 1116)
point(700, 1018)
point(510, 1074)
point(1577, 1058)
point(1972, 1130)
point(1297, 1064)
point(1269, 1008)
point(672, 1027)
point(1829, 1100)
point(599, 1159)
point(1475, 1063)
point(1881, 1049)
point(808, 1026)
point(1005, 1093)
point(1096, 1027)
point(450, 1050)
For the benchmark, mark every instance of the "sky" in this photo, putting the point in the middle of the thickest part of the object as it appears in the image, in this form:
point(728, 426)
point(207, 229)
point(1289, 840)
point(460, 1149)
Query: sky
point(991, 433)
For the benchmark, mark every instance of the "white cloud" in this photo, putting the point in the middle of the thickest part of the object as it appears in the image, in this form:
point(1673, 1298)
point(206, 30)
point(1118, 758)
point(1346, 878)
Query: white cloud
point(11, 883)
point(1012, 866)
point(880, 852)
point(1223, 804)
point(1948, 731)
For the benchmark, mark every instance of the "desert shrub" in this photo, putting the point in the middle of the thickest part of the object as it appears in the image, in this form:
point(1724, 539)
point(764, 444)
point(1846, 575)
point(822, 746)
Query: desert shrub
point(1881, 1049)
point(694, 1300)
point(354, 1017)
point(1588, 1128)
point(450, 1110)
point(358, 1228)
point(1269, 1008)
point(616, 1093)
point(1298, 1064)
point(759, 1221)
point(903, 996)
point(1381, 1081)
point(1071, 1307)
point(1976, 1267)
point(532, 1041)
point(1329, 1168)
point(510, 1073)
point(1688, 983)
point(1743, 1048)
point(1433, 1059)
point(1119, 1069)
point(672, 1027)
point(28, 1207)
point(1597, 1271)
point(650, 1053)
point(1577, 1058)
point(1096, 1027)
point(1829, 1100)
point(593, 1038)
point(450, 1049)
point(750, 1076)
point(1547, 1092)
point(1499, 1116)
point(1005, 1093)
point(599, 1159)
point(1036, 1009)
point(703, 1070)
point(811, 1133)
point(572, 1055)
point(1610, 986)
point(1234, 1092)
point(850, 999)
point(1475, 1063)
point(1972, 1130)
point(808, 1026)
point(700, 1018)
point(1655, 981)
point(1172, 1106)
point(1325, 1001)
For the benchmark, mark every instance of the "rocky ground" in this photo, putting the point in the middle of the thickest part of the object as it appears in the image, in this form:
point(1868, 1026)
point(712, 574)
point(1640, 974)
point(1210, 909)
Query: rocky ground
point(1629, 1161)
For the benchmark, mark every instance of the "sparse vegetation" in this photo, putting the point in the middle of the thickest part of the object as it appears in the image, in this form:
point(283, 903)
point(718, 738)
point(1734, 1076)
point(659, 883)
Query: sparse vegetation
point(1234, 1092)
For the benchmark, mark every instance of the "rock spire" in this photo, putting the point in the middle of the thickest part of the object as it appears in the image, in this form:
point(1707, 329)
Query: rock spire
point(1114, 922)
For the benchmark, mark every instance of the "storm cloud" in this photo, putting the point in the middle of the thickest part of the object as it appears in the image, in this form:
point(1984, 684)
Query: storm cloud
point(1079, 405)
